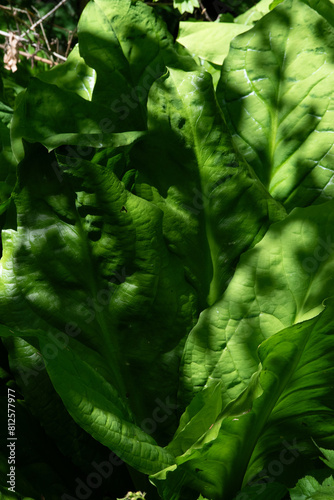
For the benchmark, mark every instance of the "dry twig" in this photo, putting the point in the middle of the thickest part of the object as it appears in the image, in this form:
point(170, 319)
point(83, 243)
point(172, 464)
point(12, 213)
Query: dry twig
point(22, 39)
point(43, 31)
point(16, 38)
point(204, 11)
point(48, 14)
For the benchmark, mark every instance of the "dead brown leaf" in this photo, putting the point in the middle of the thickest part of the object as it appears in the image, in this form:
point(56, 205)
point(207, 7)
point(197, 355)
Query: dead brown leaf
point(11, 56)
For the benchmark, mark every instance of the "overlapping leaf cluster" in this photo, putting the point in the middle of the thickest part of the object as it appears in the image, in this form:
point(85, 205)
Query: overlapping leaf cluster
point(168, 247)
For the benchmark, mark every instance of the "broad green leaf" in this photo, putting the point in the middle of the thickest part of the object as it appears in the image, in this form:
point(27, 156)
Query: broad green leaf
point(308, 488)
point(74, 75)
point(324, 9)
point(199, 416)
point(252, 15)
point(95, 405)
point(202, 186)
point(210, 41)
point(119, 252)
point(29, 369)
point(293, 385)
point(84, 290)
point(125, 47)
point(53, 129)
point(93, 230)
point(276, 93)
point(41, 115)
point(213, 69)
point(282, 281)
point(125, 42)
point(103, 247)
point(40, 467)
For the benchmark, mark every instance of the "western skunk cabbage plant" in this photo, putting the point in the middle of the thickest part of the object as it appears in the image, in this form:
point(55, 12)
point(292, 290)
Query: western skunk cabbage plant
point(168, 248)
